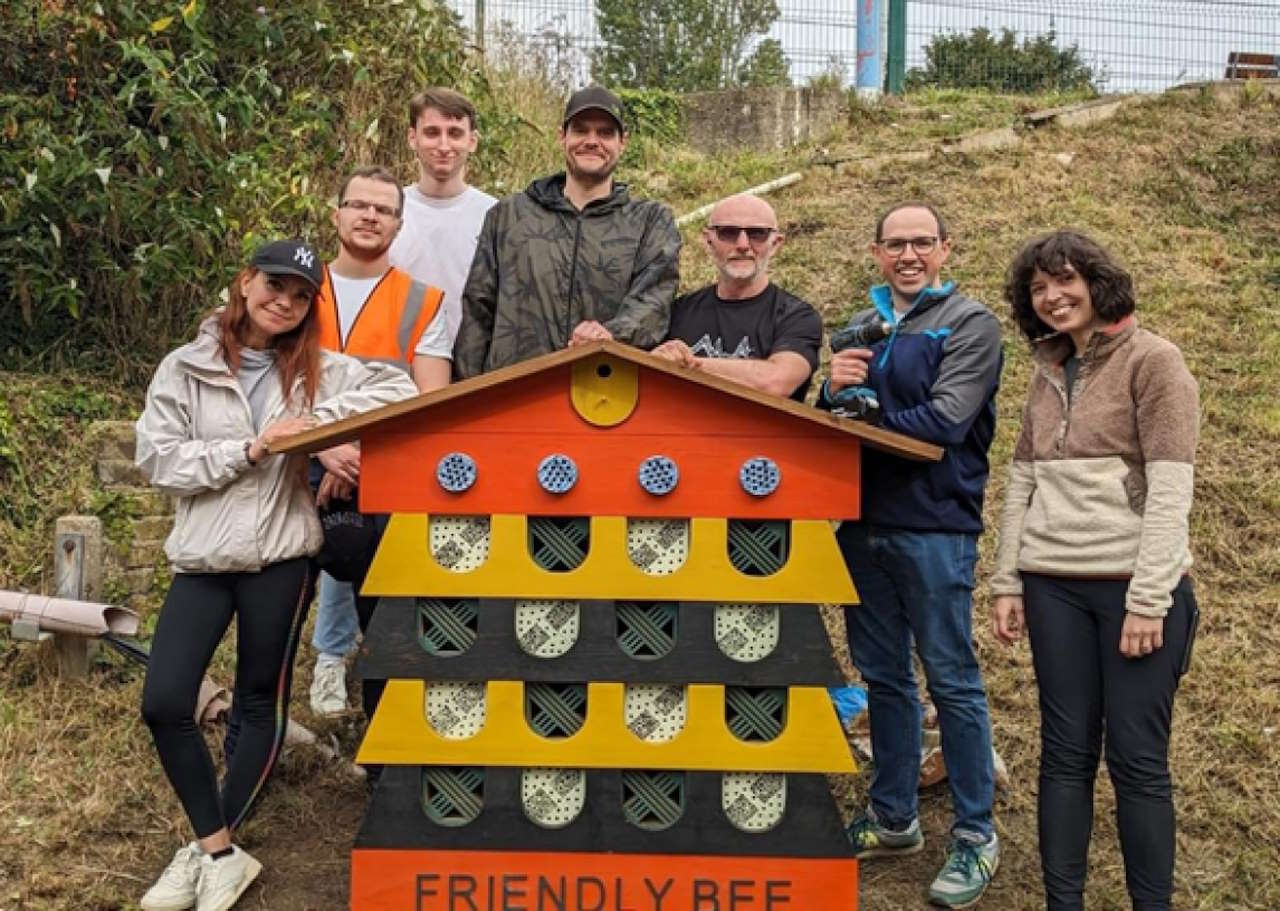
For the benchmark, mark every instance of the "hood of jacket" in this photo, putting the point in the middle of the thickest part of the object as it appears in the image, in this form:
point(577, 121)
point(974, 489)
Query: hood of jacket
point(203, 354)
point(548, 192)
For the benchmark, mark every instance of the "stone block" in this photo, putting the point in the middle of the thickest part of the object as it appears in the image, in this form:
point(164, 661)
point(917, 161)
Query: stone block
point(152, 527)
point(139, 581)
point(151, 502)
point(987, 141)
point(120, 473)
point(759, 118)
point(113, 439)
point(143, 554)
point(79, 572)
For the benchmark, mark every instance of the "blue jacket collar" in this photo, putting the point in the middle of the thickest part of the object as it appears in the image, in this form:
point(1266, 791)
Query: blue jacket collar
point(882, 298)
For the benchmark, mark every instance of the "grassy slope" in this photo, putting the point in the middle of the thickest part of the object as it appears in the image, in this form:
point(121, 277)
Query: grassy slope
point(1183, 188)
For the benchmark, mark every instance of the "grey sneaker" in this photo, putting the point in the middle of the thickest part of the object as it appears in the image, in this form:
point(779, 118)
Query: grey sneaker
point(175, 890)
point(870, 839)
point(968, 871)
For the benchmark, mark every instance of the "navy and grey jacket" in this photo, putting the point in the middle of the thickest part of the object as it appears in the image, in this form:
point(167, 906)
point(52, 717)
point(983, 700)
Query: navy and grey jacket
point(936, 378)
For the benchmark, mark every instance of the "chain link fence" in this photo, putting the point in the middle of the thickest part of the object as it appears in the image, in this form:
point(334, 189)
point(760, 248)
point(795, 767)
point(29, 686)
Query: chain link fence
point(1128, 45)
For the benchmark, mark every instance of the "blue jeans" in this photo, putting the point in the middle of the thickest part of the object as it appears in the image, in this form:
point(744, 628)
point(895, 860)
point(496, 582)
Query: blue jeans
point(336, 623)
point(918, 585)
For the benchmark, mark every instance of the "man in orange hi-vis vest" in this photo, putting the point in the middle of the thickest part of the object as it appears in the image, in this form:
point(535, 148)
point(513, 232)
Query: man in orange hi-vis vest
point(374, 311)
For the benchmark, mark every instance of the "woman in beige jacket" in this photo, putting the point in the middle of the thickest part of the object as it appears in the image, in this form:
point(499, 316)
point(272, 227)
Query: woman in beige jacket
point(1094, 558)
point(244, 534)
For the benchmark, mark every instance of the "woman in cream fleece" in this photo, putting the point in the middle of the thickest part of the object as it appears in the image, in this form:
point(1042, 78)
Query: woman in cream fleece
point(1093, 557)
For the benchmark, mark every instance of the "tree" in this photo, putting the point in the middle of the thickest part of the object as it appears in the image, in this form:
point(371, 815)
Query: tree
point(767, 66)
point(980, 60)
point(679, 45)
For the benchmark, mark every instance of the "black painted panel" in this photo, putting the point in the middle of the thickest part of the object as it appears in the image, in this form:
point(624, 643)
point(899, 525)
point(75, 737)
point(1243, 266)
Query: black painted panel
point(802, 657)
point(810, 826)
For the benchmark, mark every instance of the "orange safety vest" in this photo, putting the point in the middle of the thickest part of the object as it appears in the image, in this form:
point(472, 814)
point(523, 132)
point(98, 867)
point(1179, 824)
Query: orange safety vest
point(388, 326)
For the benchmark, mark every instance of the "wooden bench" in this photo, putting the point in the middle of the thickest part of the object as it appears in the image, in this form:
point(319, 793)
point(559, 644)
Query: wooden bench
point(1241, 65)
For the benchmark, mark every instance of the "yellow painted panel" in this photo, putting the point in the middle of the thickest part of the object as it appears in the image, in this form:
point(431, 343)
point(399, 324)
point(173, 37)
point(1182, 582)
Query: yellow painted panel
point(814, 574)
point(812, 740)
point(604, 389)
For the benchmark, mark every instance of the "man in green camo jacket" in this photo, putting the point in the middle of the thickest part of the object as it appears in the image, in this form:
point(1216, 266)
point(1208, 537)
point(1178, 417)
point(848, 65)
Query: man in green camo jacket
point(573, 259)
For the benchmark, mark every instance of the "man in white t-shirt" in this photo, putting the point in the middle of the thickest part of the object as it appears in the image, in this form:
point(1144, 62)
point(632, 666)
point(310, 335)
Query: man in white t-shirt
point(442, 214)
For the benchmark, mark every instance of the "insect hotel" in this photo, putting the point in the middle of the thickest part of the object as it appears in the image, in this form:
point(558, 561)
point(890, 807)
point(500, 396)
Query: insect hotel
point(606, 668)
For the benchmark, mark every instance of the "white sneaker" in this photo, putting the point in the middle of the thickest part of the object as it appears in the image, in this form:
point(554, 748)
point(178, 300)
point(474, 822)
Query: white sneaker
point(223, 881)
point(175, 890)
point(329, 687)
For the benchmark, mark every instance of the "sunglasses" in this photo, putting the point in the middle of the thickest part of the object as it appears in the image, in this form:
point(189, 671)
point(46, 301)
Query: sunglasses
point(728, 234)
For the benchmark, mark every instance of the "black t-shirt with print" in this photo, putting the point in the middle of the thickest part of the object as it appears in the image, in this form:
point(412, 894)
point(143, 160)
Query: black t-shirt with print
point(756, 327)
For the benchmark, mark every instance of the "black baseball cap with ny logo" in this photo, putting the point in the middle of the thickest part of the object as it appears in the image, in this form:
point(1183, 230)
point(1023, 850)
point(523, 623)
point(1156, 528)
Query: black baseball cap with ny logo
point(290, 257)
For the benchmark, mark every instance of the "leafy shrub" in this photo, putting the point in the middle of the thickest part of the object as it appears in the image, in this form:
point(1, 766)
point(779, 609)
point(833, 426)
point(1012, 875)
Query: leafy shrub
point(653, 113)
point(981, 60)
point(145, 147)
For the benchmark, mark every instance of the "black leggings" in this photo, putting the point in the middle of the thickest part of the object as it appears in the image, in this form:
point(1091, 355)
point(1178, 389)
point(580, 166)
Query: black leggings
point(270, 607)
point(1087, 688)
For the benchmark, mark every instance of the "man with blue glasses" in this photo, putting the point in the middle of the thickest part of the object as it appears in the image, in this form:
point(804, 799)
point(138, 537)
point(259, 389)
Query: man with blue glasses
point(912, 555)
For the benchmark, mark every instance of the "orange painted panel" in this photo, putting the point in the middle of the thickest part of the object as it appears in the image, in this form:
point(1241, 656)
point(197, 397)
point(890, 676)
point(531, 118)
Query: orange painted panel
point(388, 880)
point(707, 434)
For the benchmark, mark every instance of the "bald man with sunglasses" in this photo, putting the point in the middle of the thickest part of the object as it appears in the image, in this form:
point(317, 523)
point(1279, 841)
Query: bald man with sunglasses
point(744, 327)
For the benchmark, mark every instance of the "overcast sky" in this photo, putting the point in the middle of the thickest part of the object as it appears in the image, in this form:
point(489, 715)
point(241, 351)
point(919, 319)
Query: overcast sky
point(1138, 45)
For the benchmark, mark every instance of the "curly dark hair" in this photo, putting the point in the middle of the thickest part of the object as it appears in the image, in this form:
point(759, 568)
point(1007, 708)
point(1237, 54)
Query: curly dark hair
point(1110, 286)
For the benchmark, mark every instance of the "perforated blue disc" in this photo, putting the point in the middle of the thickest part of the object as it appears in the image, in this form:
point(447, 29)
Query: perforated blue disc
point(456, 472)
point(557, 473)
point(659, 475)
point(760, 476)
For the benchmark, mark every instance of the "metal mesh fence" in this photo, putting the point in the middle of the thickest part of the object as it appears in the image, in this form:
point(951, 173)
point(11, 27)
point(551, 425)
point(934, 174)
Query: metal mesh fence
point(1130, 45)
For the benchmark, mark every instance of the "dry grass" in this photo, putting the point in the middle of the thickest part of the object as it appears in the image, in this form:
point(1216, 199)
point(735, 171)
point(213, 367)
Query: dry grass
point(1185, 189)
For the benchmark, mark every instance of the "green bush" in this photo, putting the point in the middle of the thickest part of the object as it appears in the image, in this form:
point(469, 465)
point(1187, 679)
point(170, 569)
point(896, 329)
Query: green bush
point(981, 60)
point(146, 146)
point(653, 113)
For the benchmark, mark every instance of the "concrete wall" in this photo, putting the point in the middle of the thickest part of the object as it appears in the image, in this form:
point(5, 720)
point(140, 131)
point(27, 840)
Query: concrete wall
point(761, 119)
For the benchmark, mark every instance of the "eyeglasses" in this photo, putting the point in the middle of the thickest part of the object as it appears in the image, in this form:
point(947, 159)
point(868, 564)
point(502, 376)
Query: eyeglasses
point(361, 205)
point(896, 246)
point(728, 234)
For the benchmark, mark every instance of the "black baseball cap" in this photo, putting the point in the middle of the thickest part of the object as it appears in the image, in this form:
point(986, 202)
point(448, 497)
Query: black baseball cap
point(594, 98)
point(290, 257)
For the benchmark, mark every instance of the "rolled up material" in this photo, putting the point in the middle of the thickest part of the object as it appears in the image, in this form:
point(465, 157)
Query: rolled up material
point(62, 615)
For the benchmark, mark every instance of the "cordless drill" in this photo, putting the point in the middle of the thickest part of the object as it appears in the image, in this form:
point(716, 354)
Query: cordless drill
point(858, 402)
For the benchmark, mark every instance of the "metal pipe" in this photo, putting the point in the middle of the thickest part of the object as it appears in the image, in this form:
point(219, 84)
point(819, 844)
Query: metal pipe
point(785, 180)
